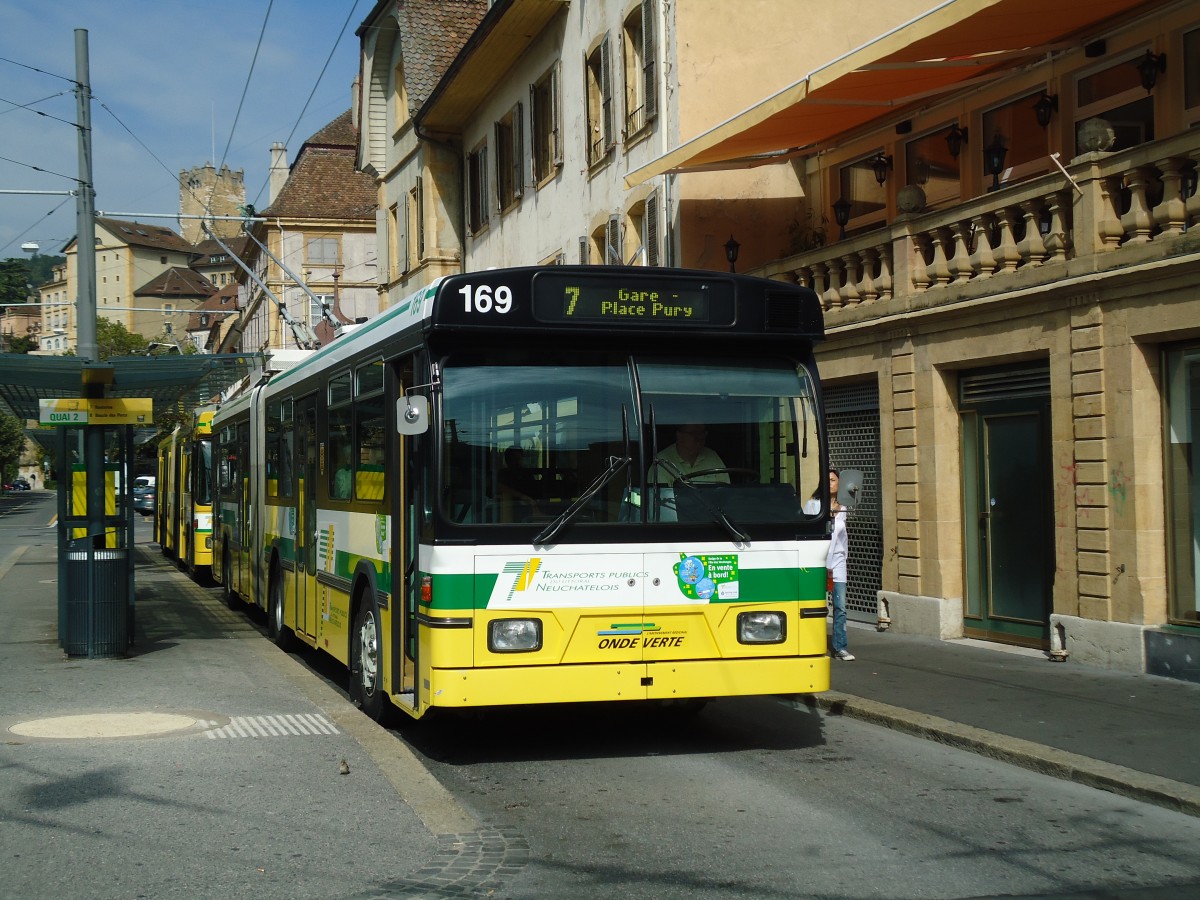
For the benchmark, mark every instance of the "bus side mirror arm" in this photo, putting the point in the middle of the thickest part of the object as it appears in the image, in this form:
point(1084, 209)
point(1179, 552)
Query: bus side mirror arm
point(412, 415)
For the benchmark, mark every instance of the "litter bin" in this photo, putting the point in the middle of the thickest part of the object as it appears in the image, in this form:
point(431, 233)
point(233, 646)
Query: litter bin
point(100, 628)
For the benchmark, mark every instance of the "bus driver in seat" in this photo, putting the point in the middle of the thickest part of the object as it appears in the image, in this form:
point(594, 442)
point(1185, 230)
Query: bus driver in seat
point(690, 453)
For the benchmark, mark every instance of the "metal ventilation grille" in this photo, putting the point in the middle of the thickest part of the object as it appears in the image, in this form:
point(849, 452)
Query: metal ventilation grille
point(1005, 384)
point(852, 413)
point(783, 313)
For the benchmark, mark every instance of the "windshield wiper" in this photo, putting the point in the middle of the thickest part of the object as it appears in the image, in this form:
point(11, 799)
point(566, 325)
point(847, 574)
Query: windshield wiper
point(615, 465)
point(717, 515)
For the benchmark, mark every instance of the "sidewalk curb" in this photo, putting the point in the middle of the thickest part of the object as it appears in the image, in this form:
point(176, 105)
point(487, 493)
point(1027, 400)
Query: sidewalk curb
point(1165, 792)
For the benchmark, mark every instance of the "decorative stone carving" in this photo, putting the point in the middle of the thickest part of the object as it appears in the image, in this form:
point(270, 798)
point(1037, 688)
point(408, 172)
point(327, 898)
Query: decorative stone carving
point(910, 199)
point(1096, 134)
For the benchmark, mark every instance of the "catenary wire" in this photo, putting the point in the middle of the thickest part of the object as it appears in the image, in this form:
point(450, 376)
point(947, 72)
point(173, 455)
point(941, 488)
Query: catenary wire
point(312, 93)
point(40, 71)
point(34, 225)
point(29, 108)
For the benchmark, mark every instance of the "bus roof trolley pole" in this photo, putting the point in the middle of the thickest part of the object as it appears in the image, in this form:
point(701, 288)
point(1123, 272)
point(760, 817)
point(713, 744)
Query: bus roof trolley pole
point(325, 313)
point(304, 335)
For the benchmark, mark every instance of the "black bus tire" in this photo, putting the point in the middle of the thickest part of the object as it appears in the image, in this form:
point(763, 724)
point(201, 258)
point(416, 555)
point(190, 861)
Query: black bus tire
point(366, 661)
point(277, 631)
point(231, 598)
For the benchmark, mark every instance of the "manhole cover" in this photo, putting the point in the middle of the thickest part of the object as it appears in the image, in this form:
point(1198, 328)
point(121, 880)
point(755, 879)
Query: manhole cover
point(105, 725)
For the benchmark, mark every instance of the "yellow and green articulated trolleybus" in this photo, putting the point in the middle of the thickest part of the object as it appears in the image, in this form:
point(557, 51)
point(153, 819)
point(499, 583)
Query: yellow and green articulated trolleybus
point(542, 485)
point(183, 515)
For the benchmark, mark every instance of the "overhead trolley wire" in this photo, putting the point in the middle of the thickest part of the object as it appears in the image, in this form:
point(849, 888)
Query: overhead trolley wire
point(312, 93)
point(242, 101)
point(34, 225)
point(28, 107)
point(39, 71)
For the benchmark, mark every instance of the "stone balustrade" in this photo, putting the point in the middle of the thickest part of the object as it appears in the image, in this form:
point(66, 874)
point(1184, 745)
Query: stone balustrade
point(1117, 200)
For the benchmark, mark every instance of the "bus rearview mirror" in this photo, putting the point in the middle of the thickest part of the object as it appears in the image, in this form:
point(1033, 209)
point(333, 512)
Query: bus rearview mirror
point(850, 487)
point(412, 415)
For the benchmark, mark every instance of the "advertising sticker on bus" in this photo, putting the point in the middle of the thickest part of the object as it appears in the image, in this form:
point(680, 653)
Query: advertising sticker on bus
point(702, 575)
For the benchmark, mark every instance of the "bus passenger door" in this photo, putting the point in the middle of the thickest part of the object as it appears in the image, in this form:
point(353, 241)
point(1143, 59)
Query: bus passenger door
point(306, 517)
point(404, 503)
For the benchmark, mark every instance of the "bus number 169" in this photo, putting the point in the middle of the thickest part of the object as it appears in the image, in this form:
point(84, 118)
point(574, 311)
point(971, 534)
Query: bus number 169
point(481, 299)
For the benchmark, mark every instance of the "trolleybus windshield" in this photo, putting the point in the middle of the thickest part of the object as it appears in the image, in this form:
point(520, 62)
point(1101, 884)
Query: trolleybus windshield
point(524, 436)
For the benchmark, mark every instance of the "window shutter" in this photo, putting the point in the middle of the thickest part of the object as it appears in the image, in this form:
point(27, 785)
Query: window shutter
point(518, 136)
point(612, 238)
point(499, 175)
point(402, 237)
point(420, 217)
point(484, 213)
point(583, 251)
point(606, 115)
point(555, 136)
point(650, 223)
point(649, 83)
point(535, 166)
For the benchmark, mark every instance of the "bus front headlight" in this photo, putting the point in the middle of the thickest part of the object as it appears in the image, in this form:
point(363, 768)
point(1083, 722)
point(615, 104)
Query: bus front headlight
point(514, 635)
point(761, 627)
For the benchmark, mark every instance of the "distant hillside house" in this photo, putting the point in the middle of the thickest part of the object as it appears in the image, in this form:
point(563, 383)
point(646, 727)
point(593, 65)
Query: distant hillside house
point(164, 304)
point(208, 325)
point(129, 256)
point(214, 263)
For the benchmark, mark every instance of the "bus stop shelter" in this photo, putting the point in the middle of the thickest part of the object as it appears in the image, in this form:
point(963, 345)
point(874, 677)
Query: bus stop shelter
point(95, 513)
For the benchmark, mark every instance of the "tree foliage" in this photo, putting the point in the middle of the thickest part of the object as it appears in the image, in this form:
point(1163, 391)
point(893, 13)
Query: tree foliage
point(22, 344)
point(114, 339)
point(14, 281)
point(20, 278)
point(12, 440)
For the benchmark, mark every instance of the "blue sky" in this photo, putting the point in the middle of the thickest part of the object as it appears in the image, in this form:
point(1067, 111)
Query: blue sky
point(170, 75)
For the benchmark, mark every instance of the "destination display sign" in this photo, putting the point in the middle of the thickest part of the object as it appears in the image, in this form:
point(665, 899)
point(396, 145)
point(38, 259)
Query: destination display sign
point(636, 300)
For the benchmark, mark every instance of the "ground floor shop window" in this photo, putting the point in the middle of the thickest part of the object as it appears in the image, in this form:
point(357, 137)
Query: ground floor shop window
point(1183, 483)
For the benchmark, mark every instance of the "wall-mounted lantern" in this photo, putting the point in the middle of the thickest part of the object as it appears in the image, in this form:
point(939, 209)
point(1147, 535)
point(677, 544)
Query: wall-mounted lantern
point(880, 165)
point(841, 215)
point(1149, 66)
point(993, 160)
point(955, 138)
point(731, 253)
point(1045, 108)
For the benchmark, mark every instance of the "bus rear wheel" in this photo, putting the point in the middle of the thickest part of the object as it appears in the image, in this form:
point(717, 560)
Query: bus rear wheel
point(366, 661)
point(231, 598)
point(277, 631)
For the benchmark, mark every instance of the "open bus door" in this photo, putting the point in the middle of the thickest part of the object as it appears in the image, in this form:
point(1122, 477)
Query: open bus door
point(412, 418)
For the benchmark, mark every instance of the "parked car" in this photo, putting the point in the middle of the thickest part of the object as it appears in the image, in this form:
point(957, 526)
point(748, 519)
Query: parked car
point(144, 497)
point(21, 483)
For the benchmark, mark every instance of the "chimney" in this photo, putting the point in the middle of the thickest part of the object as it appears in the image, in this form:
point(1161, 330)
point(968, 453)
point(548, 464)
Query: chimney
point(279, 171)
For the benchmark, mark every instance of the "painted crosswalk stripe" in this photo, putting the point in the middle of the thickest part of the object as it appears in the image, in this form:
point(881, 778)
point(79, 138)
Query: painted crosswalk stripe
point(280, 725)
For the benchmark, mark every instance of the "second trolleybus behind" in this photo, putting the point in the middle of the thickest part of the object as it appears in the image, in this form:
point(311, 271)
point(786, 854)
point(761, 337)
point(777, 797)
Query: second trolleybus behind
point(183, 513)
point(473, 499)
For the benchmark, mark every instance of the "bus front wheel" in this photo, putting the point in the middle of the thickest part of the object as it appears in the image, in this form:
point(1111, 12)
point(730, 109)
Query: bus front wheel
point(366, 661)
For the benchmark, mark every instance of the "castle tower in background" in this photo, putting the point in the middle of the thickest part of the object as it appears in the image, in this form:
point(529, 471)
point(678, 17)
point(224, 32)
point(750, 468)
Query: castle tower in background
point(203, 189)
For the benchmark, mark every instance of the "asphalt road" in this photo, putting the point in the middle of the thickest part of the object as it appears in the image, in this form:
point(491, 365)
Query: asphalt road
point(757, 799)
point(753, 798)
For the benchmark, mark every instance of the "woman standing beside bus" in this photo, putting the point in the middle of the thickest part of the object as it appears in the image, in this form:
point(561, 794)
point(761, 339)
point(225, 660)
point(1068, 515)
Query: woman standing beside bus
point(835, 563)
